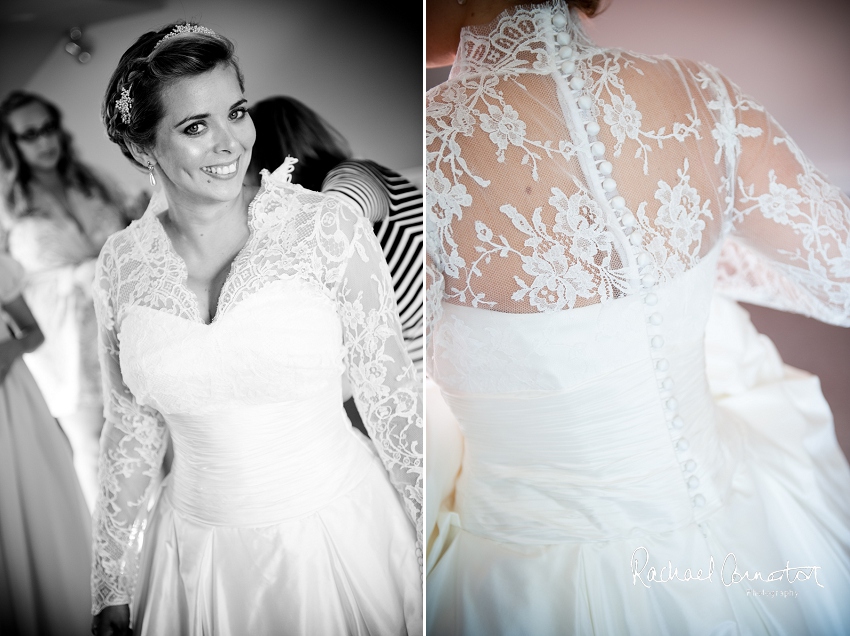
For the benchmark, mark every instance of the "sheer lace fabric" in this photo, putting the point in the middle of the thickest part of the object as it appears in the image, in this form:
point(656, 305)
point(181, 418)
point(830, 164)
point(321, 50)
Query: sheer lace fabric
point(300, 238)
point(558, 139)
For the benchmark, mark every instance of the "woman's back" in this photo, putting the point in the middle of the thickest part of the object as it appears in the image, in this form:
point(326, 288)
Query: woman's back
point(580, 199)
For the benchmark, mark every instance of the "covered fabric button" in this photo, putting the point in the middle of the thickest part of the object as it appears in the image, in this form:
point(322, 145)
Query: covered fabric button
point(677, 422)
point(693, 482)
point(576, 83)
point(655, 318)
point(643, 259)
point(690, 465)
point(662, 365)
point(635, 238)
point(651, 299)
point(605, 168)
point(648, 281)
point(597, 148)
point(618, 202)
point(671, 404)
point(585, 102)
point(667, 384)
point(657, 342)
point(682, 445)
point(563, 37)
point(566, 52)
point(609, 185)
point(628, 220)
point(699, 501)
point(559, 20)
point(568, 67)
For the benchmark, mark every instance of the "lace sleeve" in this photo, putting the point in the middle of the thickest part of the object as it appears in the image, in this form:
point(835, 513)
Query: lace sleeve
point(789, 246)
point(386, 389)
point(133, 443)
point(433, 306)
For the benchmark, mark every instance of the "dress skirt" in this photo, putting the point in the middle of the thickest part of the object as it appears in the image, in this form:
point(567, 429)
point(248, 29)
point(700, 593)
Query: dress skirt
point(347, 568)
point(45, 528)
point(774, 558)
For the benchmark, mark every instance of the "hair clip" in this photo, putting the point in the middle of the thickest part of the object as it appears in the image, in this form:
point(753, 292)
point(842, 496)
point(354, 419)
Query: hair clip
point(124, 104)
point(181, 29)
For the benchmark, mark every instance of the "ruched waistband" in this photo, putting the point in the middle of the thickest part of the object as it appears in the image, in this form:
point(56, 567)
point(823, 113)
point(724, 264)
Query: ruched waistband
point(597, 462)
point(260, 465)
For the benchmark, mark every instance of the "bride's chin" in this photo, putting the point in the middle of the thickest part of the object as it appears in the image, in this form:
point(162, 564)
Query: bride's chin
point(215, 191)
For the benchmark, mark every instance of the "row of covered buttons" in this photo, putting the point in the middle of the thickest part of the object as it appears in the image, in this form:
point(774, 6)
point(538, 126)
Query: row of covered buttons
point(643, 259)
point(671, 405)
point(597, 148)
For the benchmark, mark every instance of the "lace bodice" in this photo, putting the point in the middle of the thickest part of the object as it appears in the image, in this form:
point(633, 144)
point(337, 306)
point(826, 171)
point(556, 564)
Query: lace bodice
point(310, 266)
point(561, 174)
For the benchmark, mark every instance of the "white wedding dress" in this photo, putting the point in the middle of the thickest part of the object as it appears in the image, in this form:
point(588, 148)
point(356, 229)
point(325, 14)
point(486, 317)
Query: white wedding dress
point(585, 474)
point(277, 517)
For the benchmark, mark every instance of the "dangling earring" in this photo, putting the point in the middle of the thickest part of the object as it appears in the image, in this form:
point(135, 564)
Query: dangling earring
point(150, 174)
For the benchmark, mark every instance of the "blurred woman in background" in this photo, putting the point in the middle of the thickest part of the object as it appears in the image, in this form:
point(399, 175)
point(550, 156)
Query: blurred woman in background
point(45, 527)
point(55, 214)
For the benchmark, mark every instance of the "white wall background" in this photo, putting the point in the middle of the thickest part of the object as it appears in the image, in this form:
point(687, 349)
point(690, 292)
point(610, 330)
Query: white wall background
point(357, 64)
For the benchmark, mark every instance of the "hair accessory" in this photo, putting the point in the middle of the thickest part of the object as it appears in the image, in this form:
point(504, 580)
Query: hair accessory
point(180, 29)
point(150, 174)
point(124, 104)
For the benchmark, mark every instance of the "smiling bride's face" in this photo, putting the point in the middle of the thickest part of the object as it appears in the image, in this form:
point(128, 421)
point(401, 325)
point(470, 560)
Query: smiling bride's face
point(204, 140)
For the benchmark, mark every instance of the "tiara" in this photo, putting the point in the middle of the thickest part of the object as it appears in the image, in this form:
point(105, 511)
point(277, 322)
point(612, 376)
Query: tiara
point(124, 104)
point(180, 29)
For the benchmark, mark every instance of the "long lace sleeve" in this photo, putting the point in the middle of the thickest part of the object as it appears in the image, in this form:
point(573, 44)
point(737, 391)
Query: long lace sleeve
point(386, 389)
point(133, 443)
point(789, 246)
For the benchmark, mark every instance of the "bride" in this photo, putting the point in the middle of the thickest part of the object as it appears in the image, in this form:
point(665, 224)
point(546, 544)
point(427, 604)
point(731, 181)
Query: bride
point(226, 322)
point(582, 477)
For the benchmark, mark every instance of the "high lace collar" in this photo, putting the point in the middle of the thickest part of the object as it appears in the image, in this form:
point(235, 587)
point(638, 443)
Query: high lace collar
point(520, 40)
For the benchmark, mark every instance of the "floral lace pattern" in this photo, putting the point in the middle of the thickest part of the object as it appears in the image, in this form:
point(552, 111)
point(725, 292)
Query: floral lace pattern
point(678, 228)
point(557, 282)
point(295, 233)
point(525, 152)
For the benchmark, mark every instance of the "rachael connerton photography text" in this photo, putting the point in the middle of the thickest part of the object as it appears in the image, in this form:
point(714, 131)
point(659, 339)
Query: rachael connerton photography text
point(729, 574)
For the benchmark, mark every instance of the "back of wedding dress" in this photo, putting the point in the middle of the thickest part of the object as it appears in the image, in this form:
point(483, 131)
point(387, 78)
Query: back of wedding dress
point(582, 205)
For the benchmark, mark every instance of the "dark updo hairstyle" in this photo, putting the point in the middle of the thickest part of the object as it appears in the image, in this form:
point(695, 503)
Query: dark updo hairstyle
point(588, 7)
point(147, 69)
point(285, 126)
point(71, 171)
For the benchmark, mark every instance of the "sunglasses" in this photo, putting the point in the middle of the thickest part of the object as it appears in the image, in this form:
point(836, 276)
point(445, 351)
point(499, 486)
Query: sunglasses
point(33, 134)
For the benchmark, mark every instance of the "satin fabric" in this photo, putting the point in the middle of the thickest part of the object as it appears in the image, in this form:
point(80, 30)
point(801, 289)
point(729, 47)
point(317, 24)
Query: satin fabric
point(318, 572)
point(45, 528)
point(560, 499)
